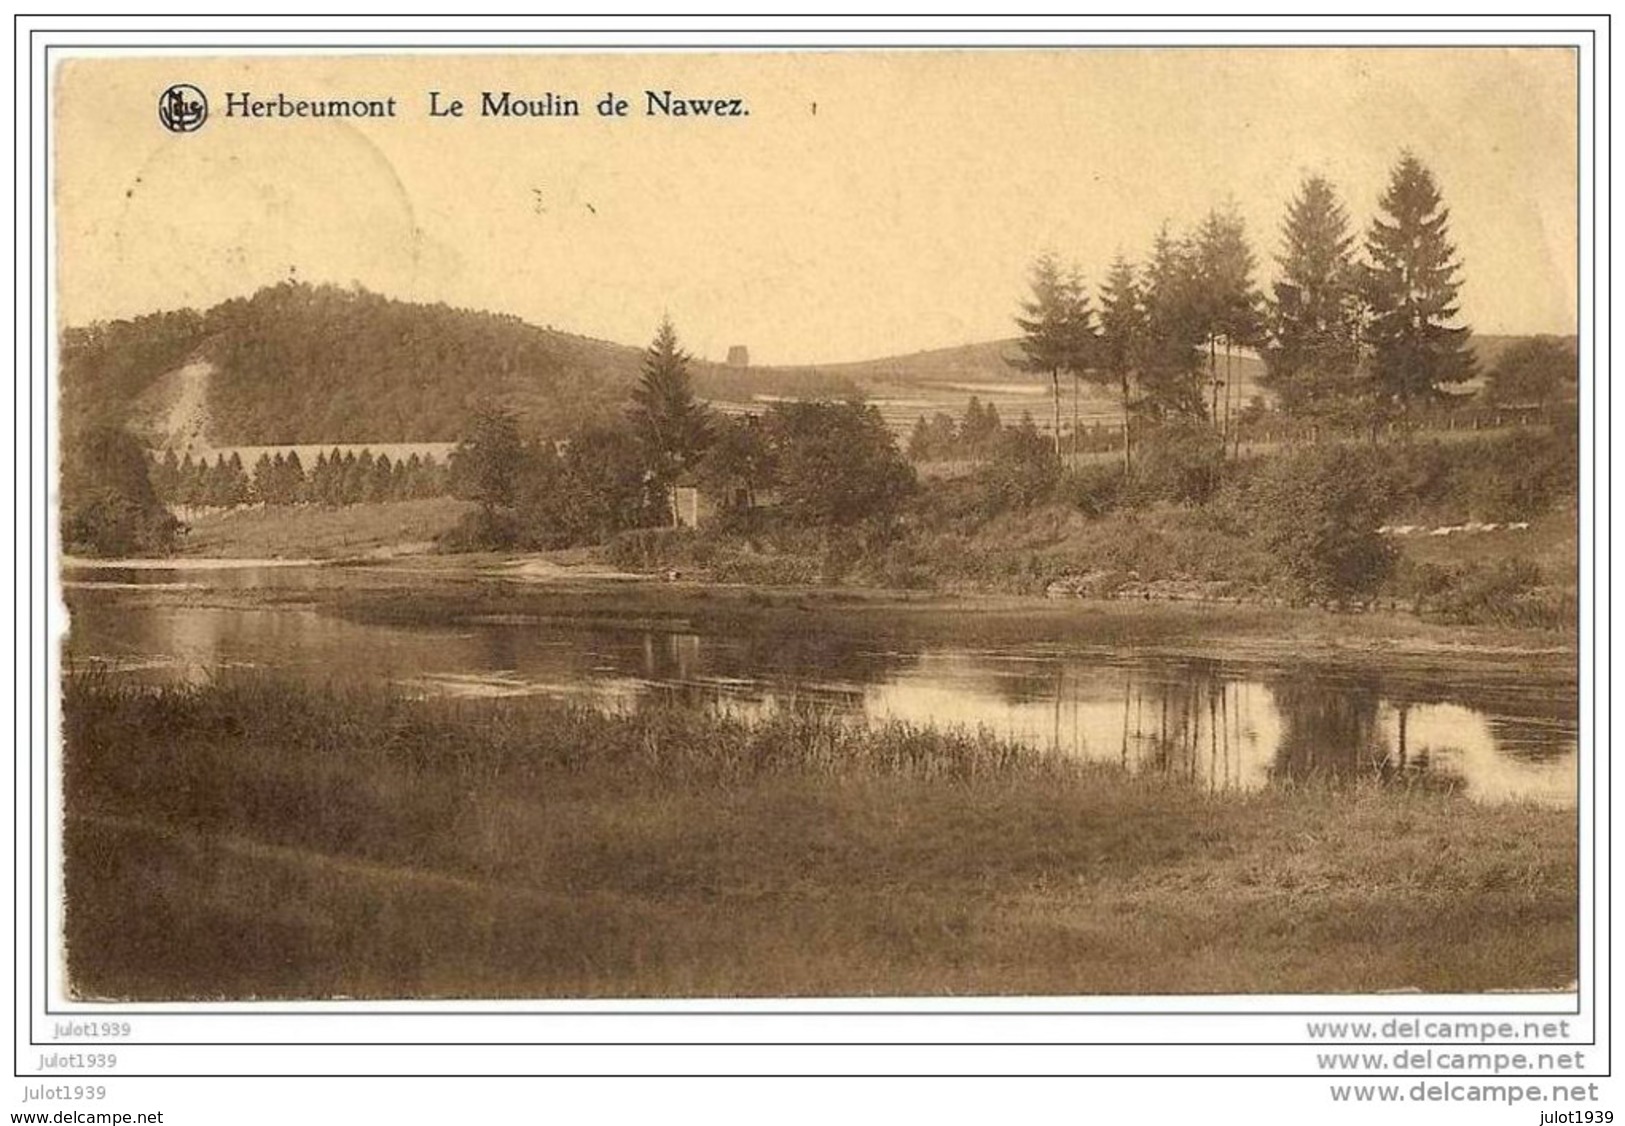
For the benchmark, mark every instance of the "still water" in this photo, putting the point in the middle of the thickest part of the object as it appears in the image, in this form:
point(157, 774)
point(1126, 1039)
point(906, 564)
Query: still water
point(1218, 724)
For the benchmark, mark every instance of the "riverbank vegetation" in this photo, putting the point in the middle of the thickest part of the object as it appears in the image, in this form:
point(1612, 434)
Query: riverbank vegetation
point(308, 531)
point(1362, 376)
point(1360, 347)
point(1332, 525)
point(250, 838)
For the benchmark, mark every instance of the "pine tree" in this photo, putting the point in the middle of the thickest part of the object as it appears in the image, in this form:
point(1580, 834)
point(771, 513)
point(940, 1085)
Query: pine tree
point(320, 478)
point(237, 490)
point(350, 480)
point(1312, 361)
point(1170, 373)
point(332, 491)
point(919, 441)
point(166, 476)
point(367, 477)
point(1226, 299)
point(1411, 285)
point(383, 475)
point(417, 478)
point(215, 482)
point(673, 427)
point(399, 480)
point(980, 427)
point(1122, 338)
point(434, 477)
point(1057, 329)
point(277, 480)
point(293, 479)
point(187, 482)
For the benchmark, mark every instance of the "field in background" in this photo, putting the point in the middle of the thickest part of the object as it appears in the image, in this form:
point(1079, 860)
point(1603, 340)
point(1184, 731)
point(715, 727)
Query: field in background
point(309, 531)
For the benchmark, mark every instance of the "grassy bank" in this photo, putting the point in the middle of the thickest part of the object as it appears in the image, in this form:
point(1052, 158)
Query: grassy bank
point(1163, 552)
point(311, 531)
point(256, 839)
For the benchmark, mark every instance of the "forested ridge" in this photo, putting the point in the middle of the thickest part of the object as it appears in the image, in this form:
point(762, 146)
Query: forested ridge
point(301, 363)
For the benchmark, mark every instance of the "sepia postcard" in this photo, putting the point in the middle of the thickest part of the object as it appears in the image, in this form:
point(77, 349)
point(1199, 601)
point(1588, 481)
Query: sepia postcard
point(824, 523)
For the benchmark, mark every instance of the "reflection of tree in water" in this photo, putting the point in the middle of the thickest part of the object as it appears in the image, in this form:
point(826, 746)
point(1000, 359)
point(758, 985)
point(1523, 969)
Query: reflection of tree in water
point(1187, 721)
point(760, 669)
point(811, 654)
point(1335, 731)
point(1328, 731)
point(1029, 682)
point(1533, 739)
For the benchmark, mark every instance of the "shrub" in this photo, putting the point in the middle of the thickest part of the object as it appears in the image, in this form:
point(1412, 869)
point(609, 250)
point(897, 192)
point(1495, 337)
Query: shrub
point(1023, 472)
point(1421, 476)
point(1179, 462)
point(484, 529)
point(1507, 592)
point(1096, 490)
point(1519, 476)
point(110, 523)
point(649, 549)
point(901, 566)
point(1317, 511)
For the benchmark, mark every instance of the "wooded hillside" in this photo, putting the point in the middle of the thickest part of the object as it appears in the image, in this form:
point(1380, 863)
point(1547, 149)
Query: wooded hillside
point(299, 363)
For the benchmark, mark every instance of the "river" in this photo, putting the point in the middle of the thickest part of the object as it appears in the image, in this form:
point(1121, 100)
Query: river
point(1213, 722)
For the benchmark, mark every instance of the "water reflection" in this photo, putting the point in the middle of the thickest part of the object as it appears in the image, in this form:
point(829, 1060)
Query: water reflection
point(1218, 725)
point(1177, 717)
point(1330, 734)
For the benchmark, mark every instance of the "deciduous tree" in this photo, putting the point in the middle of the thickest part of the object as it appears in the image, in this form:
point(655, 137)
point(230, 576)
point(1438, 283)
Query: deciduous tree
point(108, 504)
point(838, 465)
point(1539, 370)
point(486, 466)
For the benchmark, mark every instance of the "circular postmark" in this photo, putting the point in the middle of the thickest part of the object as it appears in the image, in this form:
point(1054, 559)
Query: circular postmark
point(182, 108)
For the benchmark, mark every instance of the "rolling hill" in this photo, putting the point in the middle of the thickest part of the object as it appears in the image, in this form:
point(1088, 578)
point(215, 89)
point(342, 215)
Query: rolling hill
point(300, 364)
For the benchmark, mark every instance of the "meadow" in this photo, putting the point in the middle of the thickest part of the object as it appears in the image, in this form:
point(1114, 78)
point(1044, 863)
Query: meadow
point(250, 838)
point(310, 531)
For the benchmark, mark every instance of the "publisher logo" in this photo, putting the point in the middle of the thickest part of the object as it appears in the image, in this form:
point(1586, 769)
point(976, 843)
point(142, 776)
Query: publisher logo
point(182, 108)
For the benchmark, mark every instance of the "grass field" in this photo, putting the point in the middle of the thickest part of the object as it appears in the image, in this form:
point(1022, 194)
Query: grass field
point(253, 839)
point(312, 531)
point(1552, 542)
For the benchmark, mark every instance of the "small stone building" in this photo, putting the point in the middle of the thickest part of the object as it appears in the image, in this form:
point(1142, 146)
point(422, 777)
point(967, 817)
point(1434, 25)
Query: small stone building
point(693, 507)
point(690, 506)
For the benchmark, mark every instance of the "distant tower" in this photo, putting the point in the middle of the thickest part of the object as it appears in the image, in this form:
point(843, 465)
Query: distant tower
point(739, 356)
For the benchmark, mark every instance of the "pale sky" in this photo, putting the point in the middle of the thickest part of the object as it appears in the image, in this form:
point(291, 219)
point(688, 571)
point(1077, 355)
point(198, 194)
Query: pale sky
point(872, 203)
